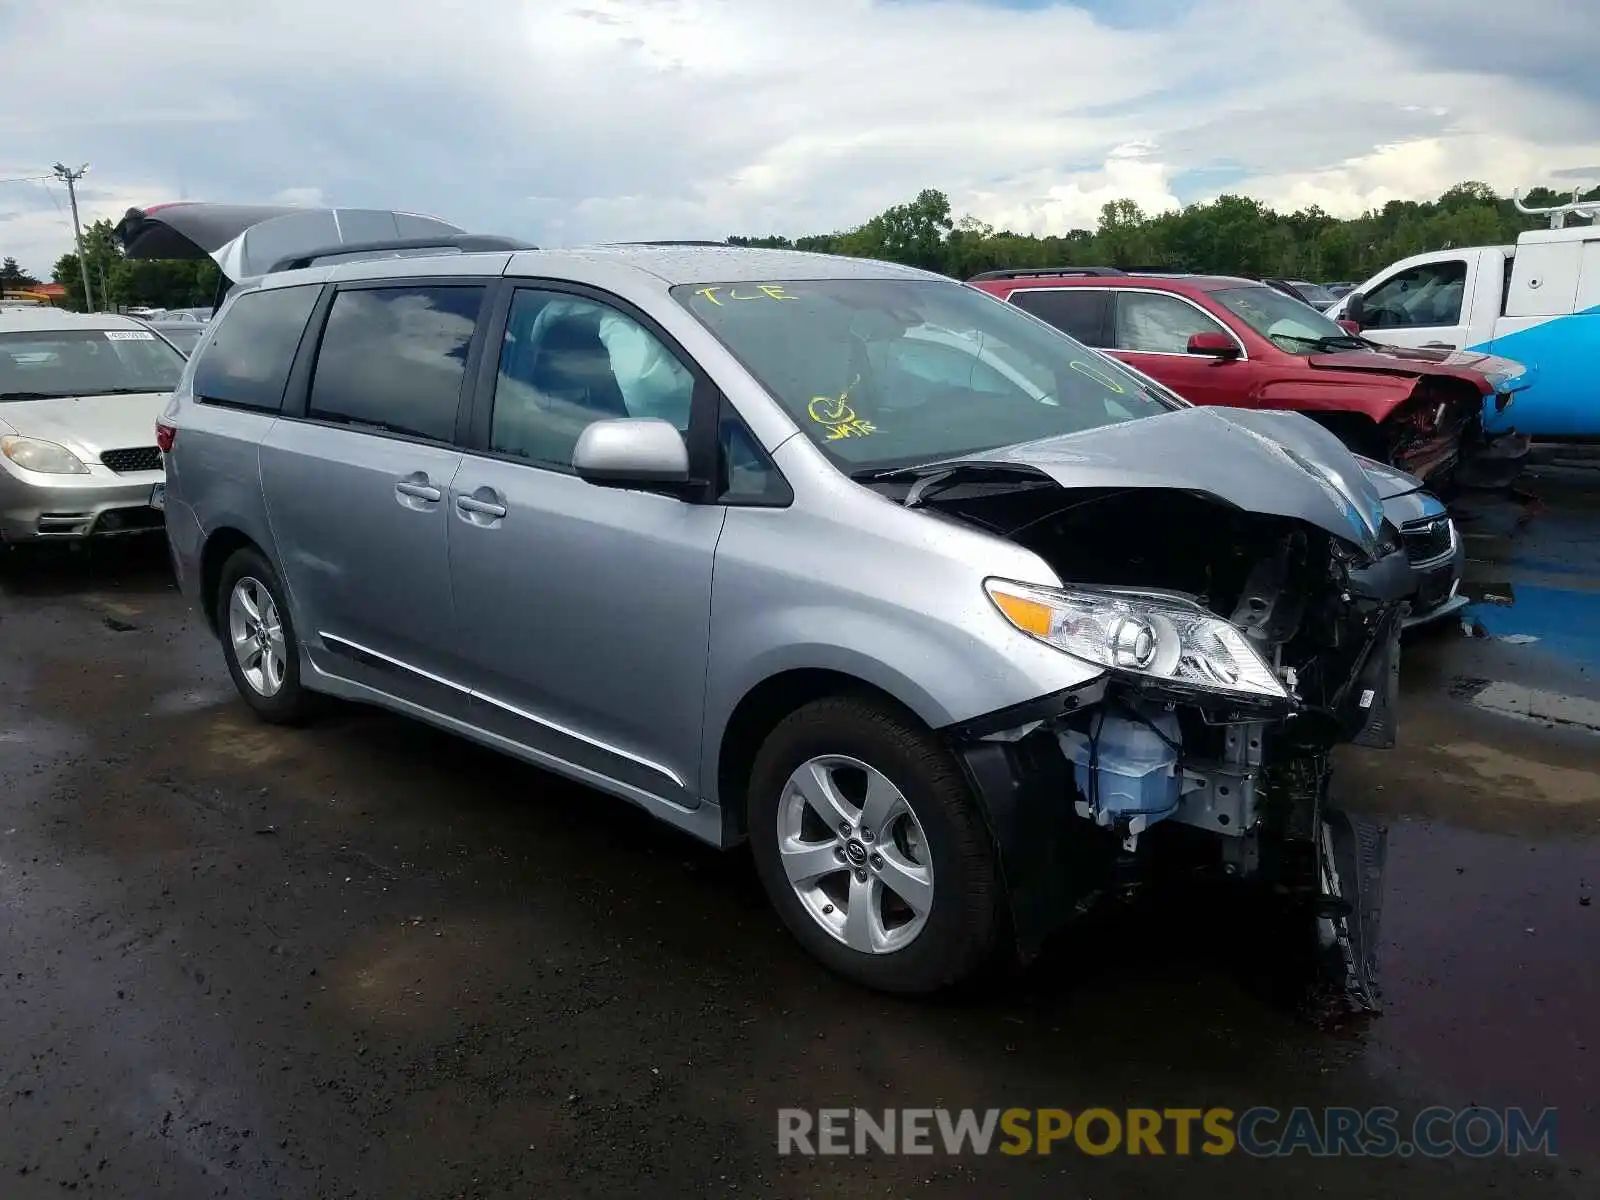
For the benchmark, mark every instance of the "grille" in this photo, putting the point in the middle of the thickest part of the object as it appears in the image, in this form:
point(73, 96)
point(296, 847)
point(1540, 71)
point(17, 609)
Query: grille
point(139, 458)
point(1427, 539)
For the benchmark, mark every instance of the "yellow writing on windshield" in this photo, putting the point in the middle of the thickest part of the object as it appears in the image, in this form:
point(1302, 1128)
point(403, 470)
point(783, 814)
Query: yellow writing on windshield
point(721, 293)
point(835, 414)
point(1101, 377)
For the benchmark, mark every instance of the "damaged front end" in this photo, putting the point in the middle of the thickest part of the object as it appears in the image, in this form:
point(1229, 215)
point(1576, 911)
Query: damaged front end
point(1239, 646)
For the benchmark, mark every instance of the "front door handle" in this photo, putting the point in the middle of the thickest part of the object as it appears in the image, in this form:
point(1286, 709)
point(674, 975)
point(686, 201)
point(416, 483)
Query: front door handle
point(1437, 346)
point(482, 508)
point(419, 491)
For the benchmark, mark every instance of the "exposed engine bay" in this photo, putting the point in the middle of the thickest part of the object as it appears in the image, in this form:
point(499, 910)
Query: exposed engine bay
point(1428, 435)
point(1218, 782)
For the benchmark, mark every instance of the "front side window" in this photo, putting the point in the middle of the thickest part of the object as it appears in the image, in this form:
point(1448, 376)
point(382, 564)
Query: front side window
point(394, 358)
point(883, 373)
point(246, 364)
point(1156, 324)
point(85, 362)
point(567, 362)
point(1422, 297)
point(1289, 324)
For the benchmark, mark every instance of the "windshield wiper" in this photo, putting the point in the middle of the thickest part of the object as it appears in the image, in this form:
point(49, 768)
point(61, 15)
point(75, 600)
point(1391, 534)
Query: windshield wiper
point(4, 396)
point(124, 391)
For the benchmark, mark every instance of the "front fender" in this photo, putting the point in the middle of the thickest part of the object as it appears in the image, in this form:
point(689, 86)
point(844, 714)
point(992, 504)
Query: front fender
point(909, 621)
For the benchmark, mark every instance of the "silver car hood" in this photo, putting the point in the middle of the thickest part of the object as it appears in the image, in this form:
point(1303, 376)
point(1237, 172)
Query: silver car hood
point(88, 425)
point(1268, 462)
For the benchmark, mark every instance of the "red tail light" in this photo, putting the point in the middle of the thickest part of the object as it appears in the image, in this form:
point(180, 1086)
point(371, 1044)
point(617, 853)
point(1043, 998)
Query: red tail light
point(165, 436)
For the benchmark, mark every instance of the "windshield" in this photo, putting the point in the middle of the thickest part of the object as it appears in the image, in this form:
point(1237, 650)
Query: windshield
point(1314, 293)
point(1288, 323)
point(884, 373)
point(85, 362)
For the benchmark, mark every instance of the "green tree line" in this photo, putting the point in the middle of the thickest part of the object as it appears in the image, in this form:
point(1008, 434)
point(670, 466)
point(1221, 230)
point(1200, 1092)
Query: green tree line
point(1228, 235)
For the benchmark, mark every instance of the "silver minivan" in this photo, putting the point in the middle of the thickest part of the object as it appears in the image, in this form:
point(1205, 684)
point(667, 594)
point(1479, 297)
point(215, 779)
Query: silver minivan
point(959, 625)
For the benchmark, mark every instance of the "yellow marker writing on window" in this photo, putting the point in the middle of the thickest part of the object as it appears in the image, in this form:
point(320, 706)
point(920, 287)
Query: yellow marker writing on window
point(1099, 376)
point(758, 291)
point(835, 414)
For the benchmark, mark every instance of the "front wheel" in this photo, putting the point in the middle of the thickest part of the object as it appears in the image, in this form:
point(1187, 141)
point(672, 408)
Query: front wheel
point(871, 847)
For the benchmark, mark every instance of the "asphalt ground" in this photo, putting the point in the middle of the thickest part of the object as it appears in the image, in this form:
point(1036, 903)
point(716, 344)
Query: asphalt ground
point(365, 959)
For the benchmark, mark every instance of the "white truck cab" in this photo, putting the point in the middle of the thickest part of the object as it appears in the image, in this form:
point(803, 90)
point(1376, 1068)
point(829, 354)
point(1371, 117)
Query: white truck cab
point(1537, 302)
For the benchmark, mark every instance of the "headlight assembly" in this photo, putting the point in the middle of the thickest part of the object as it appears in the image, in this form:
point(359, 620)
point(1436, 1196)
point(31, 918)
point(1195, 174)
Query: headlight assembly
point(47, 458)
point(1160, 637)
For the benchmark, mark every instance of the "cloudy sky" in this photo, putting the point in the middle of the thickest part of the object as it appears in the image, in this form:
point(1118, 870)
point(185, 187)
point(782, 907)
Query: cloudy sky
point(565, 121)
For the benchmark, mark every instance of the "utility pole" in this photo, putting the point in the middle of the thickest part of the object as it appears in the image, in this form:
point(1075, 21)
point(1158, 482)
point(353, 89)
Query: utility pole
point(70, 177)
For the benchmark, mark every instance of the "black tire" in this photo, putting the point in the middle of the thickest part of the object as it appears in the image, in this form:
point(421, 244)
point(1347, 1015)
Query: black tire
point(965, 921)
point(291, 704)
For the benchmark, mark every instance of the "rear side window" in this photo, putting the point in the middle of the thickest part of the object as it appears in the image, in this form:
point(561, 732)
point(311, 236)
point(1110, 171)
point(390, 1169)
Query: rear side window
point(247, 363)
point(1084, 313)
point(394, 358)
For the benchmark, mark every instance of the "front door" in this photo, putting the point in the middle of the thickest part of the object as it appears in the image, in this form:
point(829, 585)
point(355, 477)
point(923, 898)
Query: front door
point(1151, 330)
point(584, 611)
point(357, 488)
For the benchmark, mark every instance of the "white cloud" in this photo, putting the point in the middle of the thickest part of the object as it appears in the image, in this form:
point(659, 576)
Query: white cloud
point(308, 197)
point(570, 120)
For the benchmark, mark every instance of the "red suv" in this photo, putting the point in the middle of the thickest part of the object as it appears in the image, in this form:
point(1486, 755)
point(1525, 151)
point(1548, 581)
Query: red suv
point(1239, 342)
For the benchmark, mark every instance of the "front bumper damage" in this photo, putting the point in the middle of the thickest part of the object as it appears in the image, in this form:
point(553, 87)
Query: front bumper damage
point(1254, 806)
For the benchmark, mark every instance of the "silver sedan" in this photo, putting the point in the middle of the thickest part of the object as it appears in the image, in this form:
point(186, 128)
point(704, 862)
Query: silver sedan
point(79, 398)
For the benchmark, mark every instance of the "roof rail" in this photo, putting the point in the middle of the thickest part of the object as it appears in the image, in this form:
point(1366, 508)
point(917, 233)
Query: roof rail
point(1559, 213)
point(1043, 272)
point(465, 243)
point(669, 242)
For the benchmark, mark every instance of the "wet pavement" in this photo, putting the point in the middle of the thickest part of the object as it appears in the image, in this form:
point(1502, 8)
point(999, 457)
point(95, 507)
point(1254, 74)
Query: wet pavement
point(365, 959)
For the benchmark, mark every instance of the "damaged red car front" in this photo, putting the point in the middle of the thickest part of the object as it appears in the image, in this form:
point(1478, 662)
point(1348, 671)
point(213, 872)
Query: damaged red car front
point(1240, 343)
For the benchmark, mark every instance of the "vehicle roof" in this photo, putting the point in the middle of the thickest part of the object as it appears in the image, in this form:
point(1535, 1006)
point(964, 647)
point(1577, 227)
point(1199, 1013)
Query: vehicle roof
point(1176, 282)
point(1569, 233)
point(40, 320)
point(670, 265)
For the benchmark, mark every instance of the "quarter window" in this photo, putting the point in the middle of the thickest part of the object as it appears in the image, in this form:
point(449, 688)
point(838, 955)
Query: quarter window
point(1156, 324)
point(567, 362)
point(1422, 297)
point(748, 475)
point(394, 358)
point(246, 364)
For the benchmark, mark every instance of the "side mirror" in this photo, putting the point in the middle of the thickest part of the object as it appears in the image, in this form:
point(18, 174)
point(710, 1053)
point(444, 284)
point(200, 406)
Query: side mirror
point(1350, 326)
point(1213, 345)
point(636, 452)
point(1355, 311)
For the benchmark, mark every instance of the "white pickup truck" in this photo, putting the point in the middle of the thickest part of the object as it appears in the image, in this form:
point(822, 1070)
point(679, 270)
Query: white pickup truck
point(1537, 302)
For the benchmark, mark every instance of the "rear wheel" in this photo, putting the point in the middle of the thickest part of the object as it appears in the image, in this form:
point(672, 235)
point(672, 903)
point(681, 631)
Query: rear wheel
point(258, 639)
point(869, 843)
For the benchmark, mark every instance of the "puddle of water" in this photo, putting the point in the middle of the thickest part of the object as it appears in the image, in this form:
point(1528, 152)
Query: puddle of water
point(1563, 622)
point(1491, 979)
point(1533, 574)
